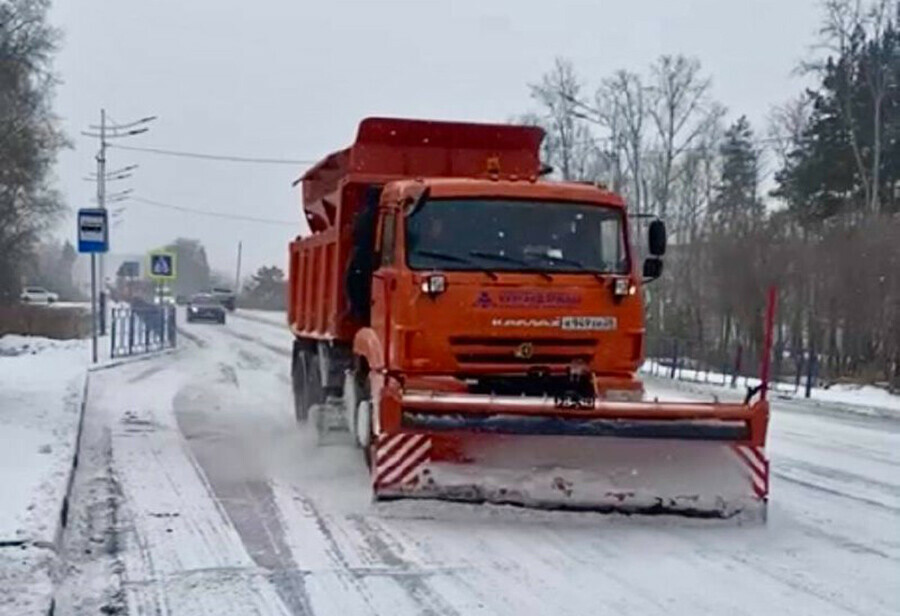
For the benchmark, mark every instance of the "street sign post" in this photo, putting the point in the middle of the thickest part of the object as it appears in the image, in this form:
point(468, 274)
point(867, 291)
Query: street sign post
point(93, 230)
point(93, 238)
point(162, 269)
point(162, 266)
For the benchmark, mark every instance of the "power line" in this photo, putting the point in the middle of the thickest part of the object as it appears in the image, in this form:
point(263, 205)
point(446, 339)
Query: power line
point(191, 210)
point(220, 157)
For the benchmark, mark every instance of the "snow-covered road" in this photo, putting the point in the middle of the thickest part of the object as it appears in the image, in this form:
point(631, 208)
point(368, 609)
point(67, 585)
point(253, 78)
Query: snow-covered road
point(198, 494)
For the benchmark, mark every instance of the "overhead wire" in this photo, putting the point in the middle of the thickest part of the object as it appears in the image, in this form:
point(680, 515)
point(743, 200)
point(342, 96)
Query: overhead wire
point(219, 157)
point(201, 212)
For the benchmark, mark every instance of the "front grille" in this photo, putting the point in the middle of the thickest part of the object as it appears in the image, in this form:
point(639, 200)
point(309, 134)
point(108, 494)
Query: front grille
point(516, 352)
point(514, 342)
point(538, 359)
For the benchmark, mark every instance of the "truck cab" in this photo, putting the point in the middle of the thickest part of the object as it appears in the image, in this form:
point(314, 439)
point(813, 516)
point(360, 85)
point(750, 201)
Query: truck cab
point(506, 286)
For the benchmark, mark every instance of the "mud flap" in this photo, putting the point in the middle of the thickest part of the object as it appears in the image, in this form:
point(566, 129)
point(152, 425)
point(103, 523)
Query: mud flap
point(709, 479)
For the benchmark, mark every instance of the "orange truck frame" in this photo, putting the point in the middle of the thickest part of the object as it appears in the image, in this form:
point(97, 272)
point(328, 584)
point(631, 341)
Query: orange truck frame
point(477, 330)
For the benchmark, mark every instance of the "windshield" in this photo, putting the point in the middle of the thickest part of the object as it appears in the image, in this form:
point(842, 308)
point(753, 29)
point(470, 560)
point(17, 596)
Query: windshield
point(512, 235)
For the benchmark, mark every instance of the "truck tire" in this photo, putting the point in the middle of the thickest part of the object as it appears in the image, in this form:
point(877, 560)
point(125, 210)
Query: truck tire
point(312, 392)
point(298, 384)
point(307, 383)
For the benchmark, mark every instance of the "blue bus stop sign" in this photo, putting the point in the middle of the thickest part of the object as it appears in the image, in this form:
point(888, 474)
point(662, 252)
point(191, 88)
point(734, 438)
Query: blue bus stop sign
point(93, 230)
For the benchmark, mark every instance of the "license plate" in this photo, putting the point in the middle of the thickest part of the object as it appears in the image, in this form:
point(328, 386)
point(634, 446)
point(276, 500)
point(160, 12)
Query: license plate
point(599, 324)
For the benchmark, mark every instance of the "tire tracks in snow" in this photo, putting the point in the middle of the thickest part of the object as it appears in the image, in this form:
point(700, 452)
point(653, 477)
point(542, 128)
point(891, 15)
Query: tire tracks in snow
point(832, 491)
point(413, 582)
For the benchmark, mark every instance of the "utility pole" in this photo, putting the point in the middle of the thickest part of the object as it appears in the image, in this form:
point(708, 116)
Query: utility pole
point(104, 132)
point(101, 203)
point(237, 276)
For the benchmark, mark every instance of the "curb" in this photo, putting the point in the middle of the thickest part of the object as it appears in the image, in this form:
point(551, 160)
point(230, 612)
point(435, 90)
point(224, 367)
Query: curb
point(131, 360)
point(70, 480)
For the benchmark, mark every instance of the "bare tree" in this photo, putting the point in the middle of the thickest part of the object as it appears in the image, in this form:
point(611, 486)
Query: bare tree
point(681, 110)
point(620, 109)
point(557, 93)
point(786, 124)
point(878, 74)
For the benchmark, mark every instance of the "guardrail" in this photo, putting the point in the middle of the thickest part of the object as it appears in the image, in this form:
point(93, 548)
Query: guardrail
point(138, 330)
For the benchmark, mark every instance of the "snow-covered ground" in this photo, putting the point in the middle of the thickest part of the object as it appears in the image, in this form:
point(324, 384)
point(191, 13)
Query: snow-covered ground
point(276, 317)
point(863, 399)
point(41, 389)
point(41, 385)
point(201, 496)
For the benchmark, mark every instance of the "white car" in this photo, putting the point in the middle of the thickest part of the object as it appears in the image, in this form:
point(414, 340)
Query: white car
point(38, 295)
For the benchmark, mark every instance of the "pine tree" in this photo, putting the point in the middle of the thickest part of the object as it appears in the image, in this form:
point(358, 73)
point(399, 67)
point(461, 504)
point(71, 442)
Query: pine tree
point(736, 206)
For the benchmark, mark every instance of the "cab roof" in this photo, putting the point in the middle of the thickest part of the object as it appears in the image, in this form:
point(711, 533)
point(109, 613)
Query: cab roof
point(510, 189)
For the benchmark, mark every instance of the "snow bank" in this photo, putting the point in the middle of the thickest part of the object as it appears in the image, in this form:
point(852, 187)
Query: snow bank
point(863, 399)
point(41, 385)
point(859, 395)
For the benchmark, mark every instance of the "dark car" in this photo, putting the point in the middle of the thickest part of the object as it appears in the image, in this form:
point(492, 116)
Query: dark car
point(205, 307)
point(225, 296)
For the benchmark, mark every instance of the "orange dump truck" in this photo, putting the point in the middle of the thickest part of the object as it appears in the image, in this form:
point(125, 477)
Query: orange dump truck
point(477, 330)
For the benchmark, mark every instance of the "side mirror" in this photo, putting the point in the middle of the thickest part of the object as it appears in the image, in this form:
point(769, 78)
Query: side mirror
point(653, 268)
point(657, 238)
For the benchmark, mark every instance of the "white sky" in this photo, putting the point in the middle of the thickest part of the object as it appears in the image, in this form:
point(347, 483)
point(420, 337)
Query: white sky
point(292, 79)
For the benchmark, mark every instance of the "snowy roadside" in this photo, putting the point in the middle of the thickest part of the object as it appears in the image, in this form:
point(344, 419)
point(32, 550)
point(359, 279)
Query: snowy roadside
point(42, 384)
point(859, 400)
point(274, 317)
point(41, 389)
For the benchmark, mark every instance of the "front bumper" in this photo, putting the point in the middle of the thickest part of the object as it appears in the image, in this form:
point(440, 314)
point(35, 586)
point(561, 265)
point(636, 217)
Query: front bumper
point(451, 411)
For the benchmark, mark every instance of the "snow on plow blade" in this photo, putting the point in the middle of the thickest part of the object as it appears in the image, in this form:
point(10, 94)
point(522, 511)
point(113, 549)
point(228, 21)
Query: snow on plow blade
point(654, 457)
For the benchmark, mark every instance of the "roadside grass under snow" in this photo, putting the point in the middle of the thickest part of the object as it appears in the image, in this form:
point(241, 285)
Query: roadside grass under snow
point(41, 384)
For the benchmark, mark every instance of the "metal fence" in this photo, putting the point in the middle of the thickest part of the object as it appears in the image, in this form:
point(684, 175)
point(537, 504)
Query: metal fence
point(135, 330)
point(733, 365)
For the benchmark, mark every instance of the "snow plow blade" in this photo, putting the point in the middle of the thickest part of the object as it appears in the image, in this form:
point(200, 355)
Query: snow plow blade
point(701, 459)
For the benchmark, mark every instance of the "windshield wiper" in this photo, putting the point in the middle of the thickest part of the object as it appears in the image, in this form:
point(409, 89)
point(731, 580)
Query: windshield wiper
point(578, 264)
point(499, 257)
point(446, 256)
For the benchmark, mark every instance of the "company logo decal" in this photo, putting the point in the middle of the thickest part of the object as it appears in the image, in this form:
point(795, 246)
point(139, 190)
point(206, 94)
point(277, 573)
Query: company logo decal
point(524, 351)
point(483, 300)
point(527, 299)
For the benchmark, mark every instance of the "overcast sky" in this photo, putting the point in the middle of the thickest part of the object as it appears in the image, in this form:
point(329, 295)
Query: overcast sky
point(292, 78)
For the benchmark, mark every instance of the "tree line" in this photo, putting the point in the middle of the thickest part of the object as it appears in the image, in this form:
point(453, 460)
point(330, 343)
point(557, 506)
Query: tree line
point(30, 138)
point(810, 202)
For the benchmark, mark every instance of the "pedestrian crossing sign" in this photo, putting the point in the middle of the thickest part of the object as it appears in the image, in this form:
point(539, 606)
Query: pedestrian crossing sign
point(162, 265)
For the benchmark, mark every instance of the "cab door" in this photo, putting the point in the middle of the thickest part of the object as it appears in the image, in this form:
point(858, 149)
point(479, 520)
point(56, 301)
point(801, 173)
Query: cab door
point(384, 281)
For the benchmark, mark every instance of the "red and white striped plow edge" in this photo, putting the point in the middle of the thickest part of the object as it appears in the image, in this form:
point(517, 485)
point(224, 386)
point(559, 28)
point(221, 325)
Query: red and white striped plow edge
point(754, 458)
point(399, 458)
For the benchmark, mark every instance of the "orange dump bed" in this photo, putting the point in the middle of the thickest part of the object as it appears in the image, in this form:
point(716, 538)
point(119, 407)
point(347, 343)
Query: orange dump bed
point(342, 184)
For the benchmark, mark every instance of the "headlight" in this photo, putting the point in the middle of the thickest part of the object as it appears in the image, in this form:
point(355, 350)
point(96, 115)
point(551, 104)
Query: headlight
point(623, 286)
point(434, 284)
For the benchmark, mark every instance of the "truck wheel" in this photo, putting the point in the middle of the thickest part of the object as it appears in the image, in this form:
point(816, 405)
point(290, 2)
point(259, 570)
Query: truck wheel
point(364, 424)
point(308, 386)
point(298, 383)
